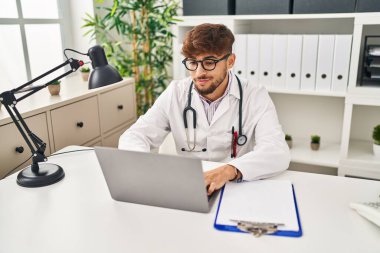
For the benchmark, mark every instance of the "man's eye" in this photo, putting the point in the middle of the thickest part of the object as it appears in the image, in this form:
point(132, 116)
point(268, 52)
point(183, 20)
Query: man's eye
point(208, 63)
point(192, 63)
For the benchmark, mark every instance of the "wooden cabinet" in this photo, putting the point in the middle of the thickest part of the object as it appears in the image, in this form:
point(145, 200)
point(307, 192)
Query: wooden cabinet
point(76, 124)
point(14, 150)
point(116, 107)
point(78, 116)
point(112, 140)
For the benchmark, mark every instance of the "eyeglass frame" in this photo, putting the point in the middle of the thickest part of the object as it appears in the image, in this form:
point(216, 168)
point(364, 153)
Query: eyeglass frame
point(201, 62)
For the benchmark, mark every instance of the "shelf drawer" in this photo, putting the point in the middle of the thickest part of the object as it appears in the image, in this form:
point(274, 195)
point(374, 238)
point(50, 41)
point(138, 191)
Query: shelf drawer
point(12, 139)
point(75, 124)
point(112, 140)
point(117, 107)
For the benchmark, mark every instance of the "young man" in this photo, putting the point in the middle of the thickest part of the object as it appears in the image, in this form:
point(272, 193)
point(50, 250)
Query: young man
point(215, 116)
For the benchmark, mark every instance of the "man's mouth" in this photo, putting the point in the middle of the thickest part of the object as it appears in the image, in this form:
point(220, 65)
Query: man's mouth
point(202, 80)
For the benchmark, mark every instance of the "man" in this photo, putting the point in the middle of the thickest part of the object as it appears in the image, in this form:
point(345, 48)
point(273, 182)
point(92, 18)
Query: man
point(203, 113)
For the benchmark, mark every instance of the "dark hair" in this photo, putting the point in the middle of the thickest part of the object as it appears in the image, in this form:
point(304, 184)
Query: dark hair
point(208, 38)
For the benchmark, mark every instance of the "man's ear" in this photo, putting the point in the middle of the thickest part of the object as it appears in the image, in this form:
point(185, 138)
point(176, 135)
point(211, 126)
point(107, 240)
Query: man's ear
point(231, 61)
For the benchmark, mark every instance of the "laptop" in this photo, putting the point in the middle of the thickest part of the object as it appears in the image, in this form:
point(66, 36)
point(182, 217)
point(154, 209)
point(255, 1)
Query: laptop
point(153, 179)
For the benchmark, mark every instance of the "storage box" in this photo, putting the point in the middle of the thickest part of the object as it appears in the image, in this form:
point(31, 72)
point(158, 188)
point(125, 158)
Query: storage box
point(208, 7)
point(368, 6)
point(324, 6)
point(263, 7)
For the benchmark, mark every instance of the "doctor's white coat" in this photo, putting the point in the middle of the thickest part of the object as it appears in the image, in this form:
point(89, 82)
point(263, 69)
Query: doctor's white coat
point(265, 153)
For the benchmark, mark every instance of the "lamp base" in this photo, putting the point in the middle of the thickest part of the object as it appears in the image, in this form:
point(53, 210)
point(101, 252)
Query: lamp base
point(47, 174)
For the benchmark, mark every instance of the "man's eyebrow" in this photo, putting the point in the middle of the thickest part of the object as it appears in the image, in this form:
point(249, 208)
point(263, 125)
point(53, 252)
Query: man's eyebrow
point(204, 58)
point(210, 57)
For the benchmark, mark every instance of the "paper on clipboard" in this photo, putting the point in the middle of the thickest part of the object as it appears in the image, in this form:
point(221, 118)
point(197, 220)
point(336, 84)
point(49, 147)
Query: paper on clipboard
point(259, 201)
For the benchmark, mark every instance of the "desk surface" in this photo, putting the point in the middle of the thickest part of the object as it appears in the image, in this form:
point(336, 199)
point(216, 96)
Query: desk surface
point(79, 215)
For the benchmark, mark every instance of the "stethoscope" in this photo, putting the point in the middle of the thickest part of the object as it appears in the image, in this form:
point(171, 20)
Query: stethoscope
point(241, 138)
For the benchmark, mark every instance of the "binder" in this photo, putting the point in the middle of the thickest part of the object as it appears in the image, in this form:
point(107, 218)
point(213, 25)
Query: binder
point(293, 65)
point(325, 62)
point(253, 58)
point(266, 46)
point(262, 202)
point(240, 49)
point(280, 45)
point(342, 53)
point(309, 62)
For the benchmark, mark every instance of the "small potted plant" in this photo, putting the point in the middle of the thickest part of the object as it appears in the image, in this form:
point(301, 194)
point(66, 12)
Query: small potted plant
point(85, 73)
point(289, 140)
point(54, 88)
point(315, 142)
point(376, 140)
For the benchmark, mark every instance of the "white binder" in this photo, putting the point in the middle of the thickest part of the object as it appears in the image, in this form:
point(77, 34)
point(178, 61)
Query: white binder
point(293, 65)
point(280, 45)
point(309, 62)
point(240, 49)
point(266, 47)
point(253, 58)
point(325, 62)
point(342, 53)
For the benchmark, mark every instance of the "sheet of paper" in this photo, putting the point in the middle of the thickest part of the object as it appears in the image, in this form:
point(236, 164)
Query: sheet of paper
point(259, 201)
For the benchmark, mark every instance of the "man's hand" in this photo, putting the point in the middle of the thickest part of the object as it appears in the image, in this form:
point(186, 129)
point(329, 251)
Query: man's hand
point(216, 178)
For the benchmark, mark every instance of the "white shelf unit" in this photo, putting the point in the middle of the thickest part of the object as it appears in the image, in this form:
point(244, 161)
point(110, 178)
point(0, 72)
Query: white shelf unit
point(335, 116)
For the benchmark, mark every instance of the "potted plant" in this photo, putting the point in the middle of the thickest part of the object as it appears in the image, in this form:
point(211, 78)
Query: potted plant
point(289, 140)
point(143, 45)
point(376, 140)
point(85, 73)
point(54, 87)
point(315, 142)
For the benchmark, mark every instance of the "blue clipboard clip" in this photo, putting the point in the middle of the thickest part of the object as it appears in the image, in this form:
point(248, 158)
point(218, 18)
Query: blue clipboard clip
point(257, 228)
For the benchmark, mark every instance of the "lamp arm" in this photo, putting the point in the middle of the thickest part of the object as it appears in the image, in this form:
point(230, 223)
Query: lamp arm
point(36, 145)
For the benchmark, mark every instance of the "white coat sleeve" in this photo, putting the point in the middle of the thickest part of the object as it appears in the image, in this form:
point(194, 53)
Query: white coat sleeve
point(270, 156)
point(150, 129)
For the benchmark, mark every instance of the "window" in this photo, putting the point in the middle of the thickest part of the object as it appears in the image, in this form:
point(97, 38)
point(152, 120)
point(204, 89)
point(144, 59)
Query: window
point(31, 40)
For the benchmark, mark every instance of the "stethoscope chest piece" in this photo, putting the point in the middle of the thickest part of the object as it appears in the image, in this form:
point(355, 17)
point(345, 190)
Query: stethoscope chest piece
point(241, 140)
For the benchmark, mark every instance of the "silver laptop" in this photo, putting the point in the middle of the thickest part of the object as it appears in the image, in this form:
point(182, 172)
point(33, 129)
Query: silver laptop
point(153, 179)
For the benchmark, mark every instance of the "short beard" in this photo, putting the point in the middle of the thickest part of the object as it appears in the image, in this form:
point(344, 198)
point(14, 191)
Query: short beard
point(213, 86)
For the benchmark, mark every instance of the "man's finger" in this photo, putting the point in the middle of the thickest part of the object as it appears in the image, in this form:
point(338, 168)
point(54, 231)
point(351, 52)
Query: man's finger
point(207, 178)
point(211, 188)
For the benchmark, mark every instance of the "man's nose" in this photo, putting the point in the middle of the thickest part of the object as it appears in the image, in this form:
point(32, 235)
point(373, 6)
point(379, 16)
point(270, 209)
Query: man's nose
point(200, 70)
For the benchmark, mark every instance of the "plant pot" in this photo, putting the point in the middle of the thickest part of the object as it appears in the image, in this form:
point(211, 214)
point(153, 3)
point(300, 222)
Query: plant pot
point(315, 146)
point(376, 150)
point(54, 89)
point(290, 143)
point(85, 76)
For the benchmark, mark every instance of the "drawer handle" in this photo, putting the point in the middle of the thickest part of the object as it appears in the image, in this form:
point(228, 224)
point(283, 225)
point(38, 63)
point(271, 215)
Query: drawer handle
point(20, 149)
point(80, 124)
point(120, 107)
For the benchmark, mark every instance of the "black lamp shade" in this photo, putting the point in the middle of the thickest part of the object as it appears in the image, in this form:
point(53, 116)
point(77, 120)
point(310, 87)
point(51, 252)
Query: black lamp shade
point(103, 74)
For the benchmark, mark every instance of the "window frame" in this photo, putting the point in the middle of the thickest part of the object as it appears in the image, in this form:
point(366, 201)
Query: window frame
point(63, 21)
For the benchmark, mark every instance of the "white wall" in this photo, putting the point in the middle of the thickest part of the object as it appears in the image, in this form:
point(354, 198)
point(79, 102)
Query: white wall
point(78, 10)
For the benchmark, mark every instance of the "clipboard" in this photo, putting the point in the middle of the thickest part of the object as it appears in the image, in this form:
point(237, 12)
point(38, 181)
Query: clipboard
point(228, 217)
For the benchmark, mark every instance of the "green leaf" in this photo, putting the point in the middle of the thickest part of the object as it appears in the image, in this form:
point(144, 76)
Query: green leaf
point(114, 7)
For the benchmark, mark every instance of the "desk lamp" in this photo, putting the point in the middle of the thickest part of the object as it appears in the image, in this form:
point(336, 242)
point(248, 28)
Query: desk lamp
point(41, 174)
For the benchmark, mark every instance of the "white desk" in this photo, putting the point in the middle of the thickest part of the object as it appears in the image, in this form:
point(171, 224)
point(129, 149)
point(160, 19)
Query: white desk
point(78, 215)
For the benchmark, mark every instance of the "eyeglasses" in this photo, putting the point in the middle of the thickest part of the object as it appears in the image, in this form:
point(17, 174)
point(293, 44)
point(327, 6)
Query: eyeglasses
point(207, 64)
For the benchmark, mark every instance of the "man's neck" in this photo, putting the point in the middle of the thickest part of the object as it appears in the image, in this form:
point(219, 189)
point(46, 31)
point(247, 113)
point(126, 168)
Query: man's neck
point(219, 91)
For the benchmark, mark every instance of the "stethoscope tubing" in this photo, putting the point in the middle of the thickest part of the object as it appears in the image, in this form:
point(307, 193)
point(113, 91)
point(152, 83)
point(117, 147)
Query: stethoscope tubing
point(241, 139)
